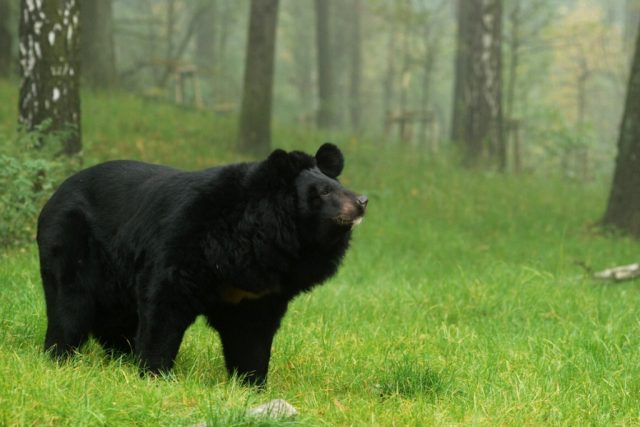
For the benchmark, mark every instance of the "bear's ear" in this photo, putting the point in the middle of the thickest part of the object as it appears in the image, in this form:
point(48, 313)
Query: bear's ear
point(282, 165)
point(278, 159)
point(330, 160)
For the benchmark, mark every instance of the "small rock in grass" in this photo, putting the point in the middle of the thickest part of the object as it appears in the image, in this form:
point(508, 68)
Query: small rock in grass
point(277, 408)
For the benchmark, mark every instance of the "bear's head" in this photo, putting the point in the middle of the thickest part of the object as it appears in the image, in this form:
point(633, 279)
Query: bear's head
point(328, 211)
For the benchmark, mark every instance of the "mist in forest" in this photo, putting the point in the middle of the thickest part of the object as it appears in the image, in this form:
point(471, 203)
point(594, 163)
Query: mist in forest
point(523, 86)
point(490, 282)
point(389, 69)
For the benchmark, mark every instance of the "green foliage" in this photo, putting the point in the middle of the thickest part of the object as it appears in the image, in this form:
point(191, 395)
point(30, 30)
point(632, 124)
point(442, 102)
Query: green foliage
point(459, 303)
point(23, 183)
point(551, 142)
point(28, 173)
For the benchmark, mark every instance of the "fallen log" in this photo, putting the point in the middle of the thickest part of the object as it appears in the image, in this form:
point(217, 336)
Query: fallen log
point(620, 273)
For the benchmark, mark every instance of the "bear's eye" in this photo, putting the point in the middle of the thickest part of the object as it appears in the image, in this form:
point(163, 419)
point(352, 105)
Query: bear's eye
point(324, 191)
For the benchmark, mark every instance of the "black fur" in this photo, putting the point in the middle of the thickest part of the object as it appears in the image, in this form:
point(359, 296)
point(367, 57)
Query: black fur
point(132, 253)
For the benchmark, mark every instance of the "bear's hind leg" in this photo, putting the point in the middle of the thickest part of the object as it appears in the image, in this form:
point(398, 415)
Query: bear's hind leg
point(116, 332)
point(160, 333)
point(116, 344)
point(64, 256)
point(69, 316)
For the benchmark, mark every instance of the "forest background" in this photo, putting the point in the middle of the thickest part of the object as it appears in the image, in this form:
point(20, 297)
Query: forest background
point(497, 143)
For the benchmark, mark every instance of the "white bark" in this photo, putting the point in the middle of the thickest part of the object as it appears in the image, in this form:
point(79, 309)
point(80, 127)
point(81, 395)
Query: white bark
point(49, 61)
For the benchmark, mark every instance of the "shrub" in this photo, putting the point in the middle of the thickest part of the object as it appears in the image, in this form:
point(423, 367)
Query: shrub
point(29, 171)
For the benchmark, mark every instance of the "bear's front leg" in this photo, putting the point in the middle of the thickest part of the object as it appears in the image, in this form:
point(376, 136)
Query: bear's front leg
point(160, 333)
point(247, 352)
point(246, 331)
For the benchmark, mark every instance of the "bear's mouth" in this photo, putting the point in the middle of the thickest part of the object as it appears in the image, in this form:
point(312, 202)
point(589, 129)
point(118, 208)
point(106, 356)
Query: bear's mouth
point(348, 221)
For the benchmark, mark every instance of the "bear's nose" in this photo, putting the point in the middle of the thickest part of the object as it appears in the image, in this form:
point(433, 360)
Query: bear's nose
point(363, 201)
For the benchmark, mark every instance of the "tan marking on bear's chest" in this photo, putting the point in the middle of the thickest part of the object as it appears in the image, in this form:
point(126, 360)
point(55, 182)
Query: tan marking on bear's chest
point(232, 295)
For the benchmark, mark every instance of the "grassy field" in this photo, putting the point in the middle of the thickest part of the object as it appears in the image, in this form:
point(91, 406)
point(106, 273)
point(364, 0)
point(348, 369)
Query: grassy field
point(459, 303)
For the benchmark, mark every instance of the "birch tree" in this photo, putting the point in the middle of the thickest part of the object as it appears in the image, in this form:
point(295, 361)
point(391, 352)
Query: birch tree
point(477, 115)
point(5, 39)
point(49, 63)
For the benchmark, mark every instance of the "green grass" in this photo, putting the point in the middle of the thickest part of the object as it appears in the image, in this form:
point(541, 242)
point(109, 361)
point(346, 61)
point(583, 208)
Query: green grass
point(459, 303)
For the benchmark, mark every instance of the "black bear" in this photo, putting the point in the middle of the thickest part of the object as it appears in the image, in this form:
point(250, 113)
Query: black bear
point(131, 253)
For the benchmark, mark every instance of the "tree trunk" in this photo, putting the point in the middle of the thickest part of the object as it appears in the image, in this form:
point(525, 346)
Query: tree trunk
point(356, 67)
point(388, 83)
point(206, 42)
point(96, 44)
point(49, 60)
point(431, 37)
point(325, 117)
point(462, 58)
point(514, 58)
point(477, 121)
point(304, 62)
point(404, 132)
point(227, 23)
point(5, 39)
point(255, 116)
point(170, 32)
point(581, 152)
point(514, 130)
point(175, 51)
point(631, 20)
point(623, 209)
